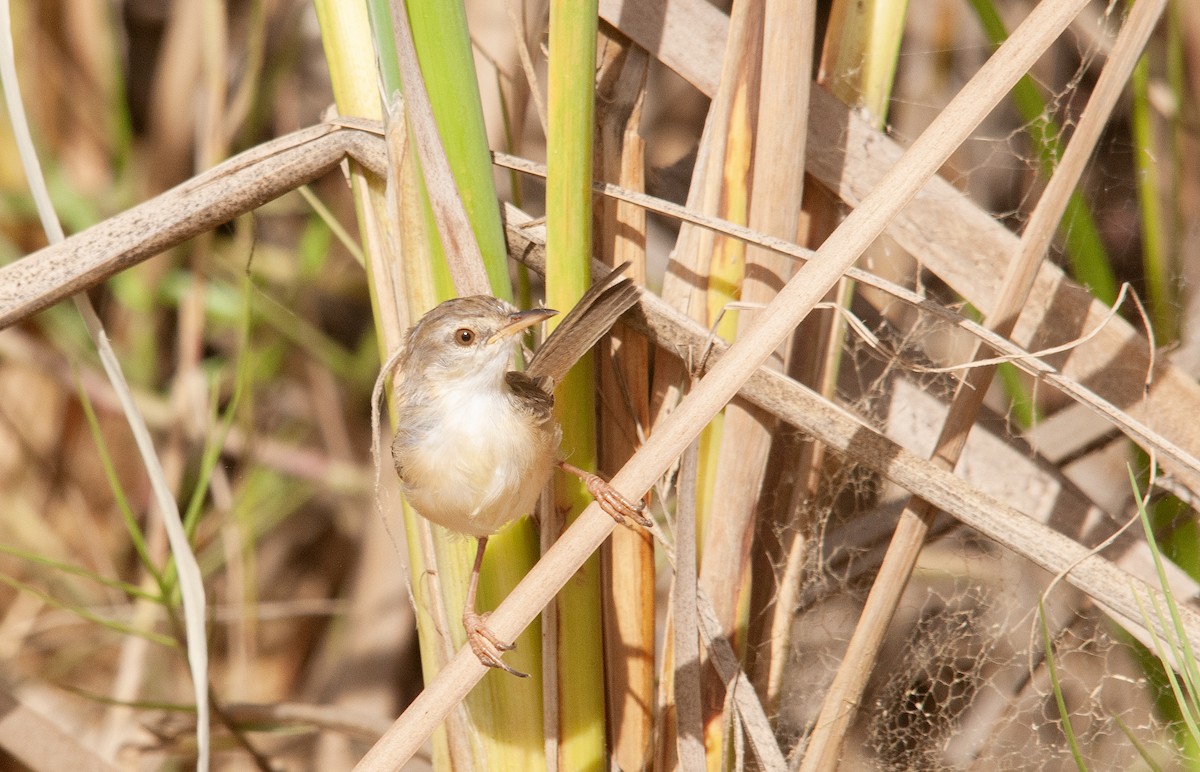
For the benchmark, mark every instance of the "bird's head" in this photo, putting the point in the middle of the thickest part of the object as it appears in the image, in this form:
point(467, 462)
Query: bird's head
point(471, 337)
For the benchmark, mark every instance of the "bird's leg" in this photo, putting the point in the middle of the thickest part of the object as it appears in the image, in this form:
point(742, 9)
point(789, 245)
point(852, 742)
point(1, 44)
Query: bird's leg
point(487, 647)
point(614, 504)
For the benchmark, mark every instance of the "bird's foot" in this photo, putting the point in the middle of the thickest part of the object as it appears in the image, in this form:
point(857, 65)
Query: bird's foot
point(487, 647)
point(611, 500)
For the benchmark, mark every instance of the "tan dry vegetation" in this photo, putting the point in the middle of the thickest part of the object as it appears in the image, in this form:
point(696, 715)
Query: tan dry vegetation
point(229, 292)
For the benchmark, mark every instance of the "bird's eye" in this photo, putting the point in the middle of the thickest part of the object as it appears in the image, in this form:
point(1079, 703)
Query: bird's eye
point(464, 336)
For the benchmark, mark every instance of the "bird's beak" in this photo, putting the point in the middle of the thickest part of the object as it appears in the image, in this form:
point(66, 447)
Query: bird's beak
point(520, 321)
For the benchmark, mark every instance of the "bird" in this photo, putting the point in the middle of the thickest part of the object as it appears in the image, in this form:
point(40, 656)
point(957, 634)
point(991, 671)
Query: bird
point(476, 441)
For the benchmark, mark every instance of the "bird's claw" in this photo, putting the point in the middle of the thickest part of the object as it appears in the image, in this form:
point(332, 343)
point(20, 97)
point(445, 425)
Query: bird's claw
point(614, 503)
point(487, 647)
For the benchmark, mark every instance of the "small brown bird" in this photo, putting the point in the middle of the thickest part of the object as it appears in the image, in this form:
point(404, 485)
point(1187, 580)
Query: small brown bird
point(477, 442)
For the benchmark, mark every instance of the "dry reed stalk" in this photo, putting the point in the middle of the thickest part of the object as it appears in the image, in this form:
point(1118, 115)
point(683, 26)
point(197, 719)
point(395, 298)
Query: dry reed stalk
point(845, 692)
point(623, 368)
point(777, 181)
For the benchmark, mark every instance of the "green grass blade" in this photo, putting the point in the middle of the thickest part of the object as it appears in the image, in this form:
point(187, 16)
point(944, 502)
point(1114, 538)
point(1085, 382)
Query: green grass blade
point(570, 129)
point(1063, 714)
point(89, 616)
point(1182, 655)
point(1142, 751)
point(443, 44)
point(335, 226)
point(1160, 279)
point(136, 537)
point(131, 590)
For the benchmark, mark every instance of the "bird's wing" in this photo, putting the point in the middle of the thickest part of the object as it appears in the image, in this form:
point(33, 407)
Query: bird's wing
point(534, 394)
point(592, 317)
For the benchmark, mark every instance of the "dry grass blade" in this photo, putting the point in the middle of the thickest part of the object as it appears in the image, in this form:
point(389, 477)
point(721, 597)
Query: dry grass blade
point(337, 718)
point(522, 36)
point(783, 82)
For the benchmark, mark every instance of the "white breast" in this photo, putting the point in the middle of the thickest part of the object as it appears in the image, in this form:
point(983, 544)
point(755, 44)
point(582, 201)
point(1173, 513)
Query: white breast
point(481, 468)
